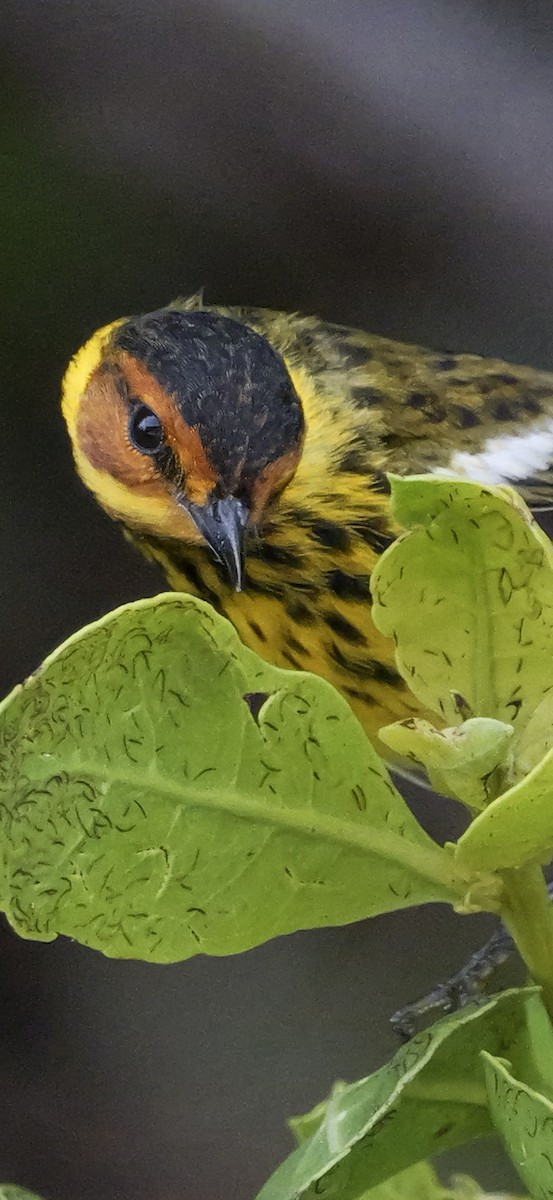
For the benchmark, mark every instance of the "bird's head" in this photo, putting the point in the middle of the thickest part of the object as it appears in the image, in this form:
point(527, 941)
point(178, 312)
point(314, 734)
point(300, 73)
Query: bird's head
point(185, 425)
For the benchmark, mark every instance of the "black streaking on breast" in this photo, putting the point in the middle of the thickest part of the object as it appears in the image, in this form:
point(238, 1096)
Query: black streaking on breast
point(292, 660)
point(331, 535)
point(187, 562)
point(257, 631)
point(365, 668)
point(349, 587)
point(354, 462)
point(375, 537)
point(301, 613)
point(281, 556)
point(345, 629)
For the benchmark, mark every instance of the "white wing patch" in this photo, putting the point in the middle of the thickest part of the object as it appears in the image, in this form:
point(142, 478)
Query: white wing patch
point(505, 458)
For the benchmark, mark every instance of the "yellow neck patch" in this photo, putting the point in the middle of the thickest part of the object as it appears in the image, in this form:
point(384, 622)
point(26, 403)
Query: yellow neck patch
point(78, 373)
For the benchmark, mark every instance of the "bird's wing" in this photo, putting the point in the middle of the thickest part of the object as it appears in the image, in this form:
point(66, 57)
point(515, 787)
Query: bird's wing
point(480, 418)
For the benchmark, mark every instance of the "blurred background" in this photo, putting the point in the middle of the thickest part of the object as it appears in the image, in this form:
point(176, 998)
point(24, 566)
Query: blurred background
point(385, 163)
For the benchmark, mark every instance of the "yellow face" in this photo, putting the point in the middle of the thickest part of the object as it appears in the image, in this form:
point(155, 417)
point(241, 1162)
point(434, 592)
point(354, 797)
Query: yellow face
point(149, 462)
point(126, 481)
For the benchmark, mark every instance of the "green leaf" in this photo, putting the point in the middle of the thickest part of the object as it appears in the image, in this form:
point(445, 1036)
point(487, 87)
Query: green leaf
point(515, 829)
point(148, 810)
point(10, 1191)
point(418, 1182)
point(459, 761)
point(304, 1125)
point(468, 596)
point(429, 1098)
point(533, 740)
point(524, 1118)
point(465, 1188)
point(421, 1182)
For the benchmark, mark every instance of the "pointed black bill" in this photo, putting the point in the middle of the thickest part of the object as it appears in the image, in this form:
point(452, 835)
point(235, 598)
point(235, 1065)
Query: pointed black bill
point(223, 525)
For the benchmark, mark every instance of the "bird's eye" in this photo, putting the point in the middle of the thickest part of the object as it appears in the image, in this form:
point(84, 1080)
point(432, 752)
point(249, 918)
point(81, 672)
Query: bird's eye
point(145, 430)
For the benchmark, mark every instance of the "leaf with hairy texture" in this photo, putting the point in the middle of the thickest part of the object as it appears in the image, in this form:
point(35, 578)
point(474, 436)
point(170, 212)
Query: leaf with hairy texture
point(524, 1118)
point(467, 594)
point(430, 1097)
point(164, 792)
point(534, 740)
point(515, 829)
point(460, 761)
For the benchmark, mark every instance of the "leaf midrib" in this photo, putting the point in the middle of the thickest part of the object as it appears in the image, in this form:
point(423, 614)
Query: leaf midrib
point(485, 692)
point(428, 861)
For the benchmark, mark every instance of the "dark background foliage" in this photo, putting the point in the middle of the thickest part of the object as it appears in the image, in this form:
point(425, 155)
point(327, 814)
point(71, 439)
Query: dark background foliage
point(386, 163)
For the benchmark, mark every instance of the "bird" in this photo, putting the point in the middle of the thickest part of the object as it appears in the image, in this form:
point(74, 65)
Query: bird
point(247, 452)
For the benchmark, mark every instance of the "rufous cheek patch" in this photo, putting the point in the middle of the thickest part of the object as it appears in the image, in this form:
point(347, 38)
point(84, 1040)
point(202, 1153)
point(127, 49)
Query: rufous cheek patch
point(199, 475)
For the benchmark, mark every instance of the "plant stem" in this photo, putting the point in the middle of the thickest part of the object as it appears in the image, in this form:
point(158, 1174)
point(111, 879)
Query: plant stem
point(528, 914)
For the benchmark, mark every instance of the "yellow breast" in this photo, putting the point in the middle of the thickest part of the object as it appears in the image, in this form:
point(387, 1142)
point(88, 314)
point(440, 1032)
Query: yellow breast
point(305, 607)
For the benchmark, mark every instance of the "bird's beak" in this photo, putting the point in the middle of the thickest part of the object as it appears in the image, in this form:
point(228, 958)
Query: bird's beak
point(223, 525)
